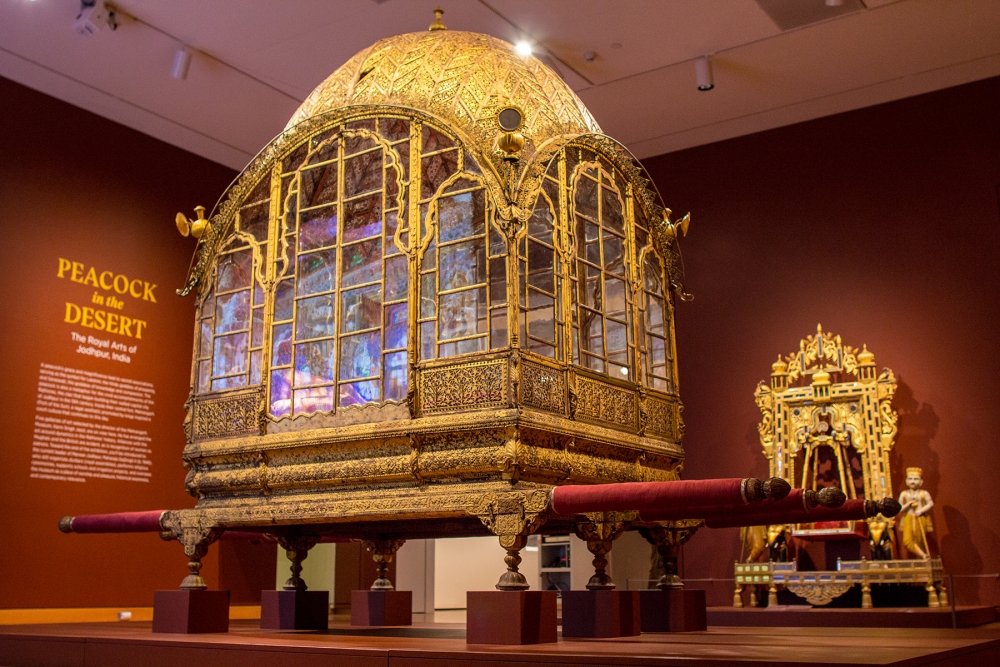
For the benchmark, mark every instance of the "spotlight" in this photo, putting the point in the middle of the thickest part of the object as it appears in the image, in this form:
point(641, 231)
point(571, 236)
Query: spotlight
point(523, 48)
point(703, 73)
point(182, 61)
point(93, 17)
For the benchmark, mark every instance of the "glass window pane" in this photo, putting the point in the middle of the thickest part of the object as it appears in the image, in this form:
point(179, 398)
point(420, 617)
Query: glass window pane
point(362, 262)
point(617, 337)
point(362, 308)
point(283, 301)
point(498, 327)
point(204, 375)
point(363, 218)
point(585, 197)
point(461, 216)
point(235, 270)
point(614, 294)
point(435, 170)
point(254, 219)
point(359, 393)
point(230, 354)
point(391, 222)
point(256, 359)
point(205, 340)
point(614, 255)
point(317, 272)
point(591, 333)
point(660, 383)
point(295, 158)
point(657, 351)
point(463, 313)
point(315, 317)
point(611, 210)
point(428, 344)
point(593, 363)
point(498, 281)
point(232, 382)
point(467, 346)
point(314, 363)
point(590, 287)
point(396, 278)
point(433, 140)
point(319, 185)
point(396, 373)
point(359, 142)
point(314, 399)
point(281, 345)
point(363, 173)
point(360, 356)
point(428, 292)
point(542, 348)
point(281, 392)
point(654, 315)
point(258, 328)
point(463, 264)
point(396, 328)
point(318, 228)
point(541, 267)
point(540, 223)
point(652, 275)
point(541, 314)
point(232, 312)
point(394, 129)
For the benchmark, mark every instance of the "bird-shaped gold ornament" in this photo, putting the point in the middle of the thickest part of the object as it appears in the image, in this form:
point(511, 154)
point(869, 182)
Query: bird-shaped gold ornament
point(195, 227)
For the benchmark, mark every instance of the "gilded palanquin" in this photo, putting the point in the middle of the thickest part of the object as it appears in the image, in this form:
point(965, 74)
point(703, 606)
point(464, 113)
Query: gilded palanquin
point(414, 319)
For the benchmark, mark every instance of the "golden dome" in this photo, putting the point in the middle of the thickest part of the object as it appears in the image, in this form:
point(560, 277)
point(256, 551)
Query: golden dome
point(865, 357)
point(821, 377)
point(464, 78)
point(779, 367)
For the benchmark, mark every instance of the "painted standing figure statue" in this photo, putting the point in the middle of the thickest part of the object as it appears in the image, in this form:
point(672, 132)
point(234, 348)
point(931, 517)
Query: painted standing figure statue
point(915, 516)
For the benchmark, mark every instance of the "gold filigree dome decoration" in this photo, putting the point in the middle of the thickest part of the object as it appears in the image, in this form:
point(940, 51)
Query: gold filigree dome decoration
point(463, 78)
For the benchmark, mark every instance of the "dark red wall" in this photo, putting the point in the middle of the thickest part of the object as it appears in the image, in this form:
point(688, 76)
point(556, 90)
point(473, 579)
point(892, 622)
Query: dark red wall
point(77, 186)
point(882, 224)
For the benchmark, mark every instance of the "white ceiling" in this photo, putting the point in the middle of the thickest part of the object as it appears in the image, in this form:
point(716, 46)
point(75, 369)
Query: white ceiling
point(255, 61)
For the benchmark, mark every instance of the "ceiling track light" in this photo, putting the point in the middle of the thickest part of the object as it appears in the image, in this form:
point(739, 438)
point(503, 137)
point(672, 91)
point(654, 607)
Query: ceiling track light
point(182, 61)
point(703, 73)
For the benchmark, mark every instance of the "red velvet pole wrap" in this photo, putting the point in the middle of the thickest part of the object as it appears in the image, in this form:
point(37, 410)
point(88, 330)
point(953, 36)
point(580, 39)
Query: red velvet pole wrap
point(793, 502)
point(851, 510)
point(122, 522)
point(647, 496)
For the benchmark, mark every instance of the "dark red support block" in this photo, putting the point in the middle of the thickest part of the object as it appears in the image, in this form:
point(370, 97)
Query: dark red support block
point(673, 610)
point(600, 613)
point(375, 608)
point(294, 610)
point(511, 617)
point(191, 612)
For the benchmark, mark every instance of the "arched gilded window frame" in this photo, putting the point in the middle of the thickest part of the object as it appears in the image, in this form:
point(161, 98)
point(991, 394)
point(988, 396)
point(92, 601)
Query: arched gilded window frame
point(649, 379)
point(495, 335)
point(605, 169)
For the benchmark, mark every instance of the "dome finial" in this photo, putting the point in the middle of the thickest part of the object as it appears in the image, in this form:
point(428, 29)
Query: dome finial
point(438, 25)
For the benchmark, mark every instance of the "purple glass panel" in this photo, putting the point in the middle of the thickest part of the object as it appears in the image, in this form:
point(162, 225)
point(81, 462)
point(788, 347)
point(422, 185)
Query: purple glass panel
point(462, 313)
point(315, 317)
point(283, 301)
point(314, 399)
point(232, 312)
point(467, 346)
point(254, 219)
point(232, 382)
point(314, 362)
point(281, 392)
point(319, 185)
point(463, 264)
point(204, 376)
point(230, 354)
point(317, 272)
point(363, 218)
point(205, 340)
point(281, 345)
point(362, 308)
point(235, 270)
point(396, 373)
point(395, 278)
point(461, 216)
point(362, 262)
point(257, 338)
point(396, 326)
point(359, 393)
point(360, 356)
point(318, 229)
point(363, 174)
point(256, 359)
point(428, 344)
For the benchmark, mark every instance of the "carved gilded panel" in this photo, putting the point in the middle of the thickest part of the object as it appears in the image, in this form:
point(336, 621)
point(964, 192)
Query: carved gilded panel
point(226, 416)
point(660, 418)
point(476, 385)
point(543, 387)
point(604, 402)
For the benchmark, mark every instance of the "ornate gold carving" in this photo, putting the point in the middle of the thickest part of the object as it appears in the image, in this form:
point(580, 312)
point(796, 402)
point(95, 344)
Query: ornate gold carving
point(382, 551)
point(543, 387)
point(238, 414)
point(600, 532)
point(819, 594)
point(479, 385)
point(660, 417)
point(604, 402)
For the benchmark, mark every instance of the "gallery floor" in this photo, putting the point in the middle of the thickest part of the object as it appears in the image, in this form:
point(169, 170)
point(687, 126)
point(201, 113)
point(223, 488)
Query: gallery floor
point(440, 643)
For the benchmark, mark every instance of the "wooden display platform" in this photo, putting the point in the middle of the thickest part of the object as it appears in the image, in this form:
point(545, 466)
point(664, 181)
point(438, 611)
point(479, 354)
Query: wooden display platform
point(437, 644)
point(803, 616)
